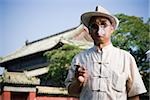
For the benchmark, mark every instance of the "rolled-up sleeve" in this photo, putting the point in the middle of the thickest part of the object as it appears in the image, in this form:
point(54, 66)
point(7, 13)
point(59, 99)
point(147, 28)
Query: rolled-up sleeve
point(135, 85)
point(70, 76)
point(71, 71)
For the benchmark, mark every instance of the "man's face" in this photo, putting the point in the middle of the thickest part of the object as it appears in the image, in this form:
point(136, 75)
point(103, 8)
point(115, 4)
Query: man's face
point(100, 29)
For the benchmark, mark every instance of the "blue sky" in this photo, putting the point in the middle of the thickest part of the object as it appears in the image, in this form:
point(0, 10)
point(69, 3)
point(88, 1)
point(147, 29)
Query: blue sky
point(22, 20)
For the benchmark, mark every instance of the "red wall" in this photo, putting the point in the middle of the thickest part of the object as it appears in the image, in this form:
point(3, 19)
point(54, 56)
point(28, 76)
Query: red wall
point(32, 96)
point(0, 97)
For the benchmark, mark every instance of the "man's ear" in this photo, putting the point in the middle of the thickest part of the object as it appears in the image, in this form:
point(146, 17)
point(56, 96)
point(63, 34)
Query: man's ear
point(112, 29)
point(86, 29)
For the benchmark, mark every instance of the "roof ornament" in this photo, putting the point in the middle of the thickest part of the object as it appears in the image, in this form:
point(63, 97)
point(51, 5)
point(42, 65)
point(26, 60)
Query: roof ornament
point(26, 42)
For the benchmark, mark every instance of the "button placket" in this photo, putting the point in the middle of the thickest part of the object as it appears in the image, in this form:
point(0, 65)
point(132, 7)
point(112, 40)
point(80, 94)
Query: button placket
point(100, 78)
point(104, 72)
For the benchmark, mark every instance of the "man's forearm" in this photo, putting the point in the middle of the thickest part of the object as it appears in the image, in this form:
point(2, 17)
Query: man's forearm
point(134, 98)
point(74, 88)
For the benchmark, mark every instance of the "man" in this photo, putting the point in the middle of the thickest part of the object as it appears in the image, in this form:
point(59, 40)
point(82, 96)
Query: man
point(103, 72)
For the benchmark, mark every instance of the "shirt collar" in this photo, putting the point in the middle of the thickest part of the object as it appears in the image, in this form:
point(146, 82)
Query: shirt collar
point(104, 49)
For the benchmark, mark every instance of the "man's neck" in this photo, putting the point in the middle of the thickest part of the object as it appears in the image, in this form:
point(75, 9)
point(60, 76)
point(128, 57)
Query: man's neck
point(100, 46)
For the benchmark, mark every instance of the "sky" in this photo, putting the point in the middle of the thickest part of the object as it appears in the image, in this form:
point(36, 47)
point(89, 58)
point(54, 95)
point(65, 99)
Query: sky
point(22, 20)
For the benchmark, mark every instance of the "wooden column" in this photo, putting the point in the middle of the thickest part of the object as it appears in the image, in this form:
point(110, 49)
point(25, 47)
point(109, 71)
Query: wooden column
point(32, 96)
point(6, 95)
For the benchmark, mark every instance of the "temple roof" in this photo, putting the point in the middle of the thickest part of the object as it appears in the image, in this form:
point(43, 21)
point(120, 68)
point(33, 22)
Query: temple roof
point(37, 72)
point(19, 78)
point(76, 36)
point(51, 90)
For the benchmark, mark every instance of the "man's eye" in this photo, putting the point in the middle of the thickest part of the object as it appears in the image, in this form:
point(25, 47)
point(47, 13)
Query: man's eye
point(94, 26)
point(103, 23)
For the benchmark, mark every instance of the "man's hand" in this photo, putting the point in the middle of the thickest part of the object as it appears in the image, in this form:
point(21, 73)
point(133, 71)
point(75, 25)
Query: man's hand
point(81, 74)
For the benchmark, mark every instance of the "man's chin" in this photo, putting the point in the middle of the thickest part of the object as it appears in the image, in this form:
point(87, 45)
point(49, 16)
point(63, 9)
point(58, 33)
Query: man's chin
point(99, 42)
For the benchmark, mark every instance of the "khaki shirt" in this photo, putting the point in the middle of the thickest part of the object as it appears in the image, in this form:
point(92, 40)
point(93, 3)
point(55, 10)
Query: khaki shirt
point(113, 74)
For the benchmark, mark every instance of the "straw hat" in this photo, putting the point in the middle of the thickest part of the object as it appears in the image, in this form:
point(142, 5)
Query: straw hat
point(99, 11)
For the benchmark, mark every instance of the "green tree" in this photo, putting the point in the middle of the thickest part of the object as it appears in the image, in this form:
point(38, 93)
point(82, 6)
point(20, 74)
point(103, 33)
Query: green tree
point(1, 58)
point(60, 60)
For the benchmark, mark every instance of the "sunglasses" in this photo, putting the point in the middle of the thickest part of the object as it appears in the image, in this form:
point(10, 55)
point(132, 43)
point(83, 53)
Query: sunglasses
point(94, 28)
point(102, 25)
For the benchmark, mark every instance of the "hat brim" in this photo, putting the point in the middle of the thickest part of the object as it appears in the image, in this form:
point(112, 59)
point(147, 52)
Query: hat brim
point(85, 18)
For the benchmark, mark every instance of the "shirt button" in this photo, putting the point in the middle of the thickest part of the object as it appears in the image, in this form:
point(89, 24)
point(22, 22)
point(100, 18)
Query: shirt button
point(100, 62)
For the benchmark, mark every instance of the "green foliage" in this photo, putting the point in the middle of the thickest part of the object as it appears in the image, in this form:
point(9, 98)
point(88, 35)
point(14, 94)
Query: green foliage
point(133, 35)
point(1, 58)
point(60, 60)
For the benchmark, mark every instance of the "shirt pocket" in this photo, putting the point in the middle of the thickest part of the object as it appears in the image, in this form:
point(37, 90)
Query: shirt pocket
point(119, 81)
